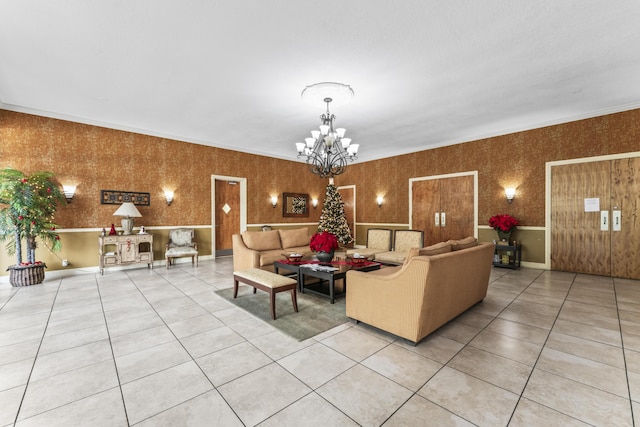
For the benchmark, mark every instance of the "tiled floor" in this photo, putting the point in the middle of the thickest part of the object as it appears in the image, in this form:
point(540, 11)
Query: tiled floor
point(149, 348)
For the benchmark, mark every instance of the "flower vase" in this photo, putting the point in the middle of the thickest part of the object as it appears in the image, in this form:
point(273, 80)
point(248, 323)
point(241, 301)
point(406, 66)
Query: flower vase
point(504, 236)
point(324, 256)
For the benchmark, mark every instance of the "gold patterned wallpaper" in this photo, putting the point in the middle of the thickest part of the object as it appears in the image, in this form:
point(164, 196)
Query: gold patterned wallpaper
point(97, 158)
point(514, 160)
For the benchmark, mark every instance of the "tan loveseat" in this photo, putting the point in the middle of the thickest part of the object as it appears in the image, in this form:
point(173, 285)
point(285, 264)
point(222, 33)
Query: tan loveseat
point(413, 300)
point(259, 249)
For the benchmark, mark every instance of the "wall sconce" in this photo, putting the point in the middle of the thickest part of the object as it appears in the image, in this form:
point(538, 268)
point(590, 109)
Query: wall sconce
point(379, 201)
point(274, 201)
point(314, 202)
point(169, 196)
point(510, 193)
point(69, 191)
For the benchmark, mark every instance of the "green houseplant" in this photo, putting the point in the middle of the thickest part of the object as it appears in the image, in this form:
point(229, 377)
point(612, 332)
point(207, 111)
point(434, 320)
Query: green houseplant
point(27, 208)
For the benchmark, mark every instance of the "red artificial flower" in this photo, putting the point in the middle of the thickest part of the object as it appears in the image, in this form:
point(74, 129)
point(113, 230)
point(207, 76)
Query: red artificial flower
point(24, 180)
point(57, 237)
point(503, 222)
point(53, 228)
point(20, 217)
point(323, 242)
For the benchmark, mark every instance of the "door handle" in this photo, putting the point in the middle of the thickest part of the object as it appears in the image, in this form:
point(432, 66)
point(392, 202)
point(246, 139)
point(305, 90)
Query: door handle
point(604, 220)
point(616, 220)
point(437, 219)
point(443, 219)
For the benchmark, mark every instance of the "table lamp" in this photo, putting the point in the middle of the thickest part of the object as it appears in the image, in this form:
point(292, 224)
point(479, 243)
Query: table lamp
point(127, 210)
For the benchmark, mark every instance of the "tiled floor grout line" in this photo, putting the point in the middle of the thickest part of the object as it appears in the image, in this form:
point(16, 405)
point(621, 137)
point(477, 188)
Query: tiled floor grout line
point(35, 358)
point(624, 355)
point(542, 348)
point(106, 324)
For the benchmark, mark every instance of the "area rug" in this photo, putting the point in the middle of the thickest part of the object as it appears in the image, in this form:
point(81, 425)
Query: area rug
point(315, 314)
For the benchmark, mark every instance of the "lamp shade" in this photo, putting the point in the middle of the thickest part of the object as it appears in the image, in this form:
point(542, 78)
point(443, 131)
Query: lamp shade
point(128, 209)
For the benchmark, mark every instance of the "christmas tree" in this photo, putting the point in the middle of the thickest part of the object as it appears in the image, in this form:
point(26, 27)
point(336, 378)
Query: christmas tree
point(333, 218)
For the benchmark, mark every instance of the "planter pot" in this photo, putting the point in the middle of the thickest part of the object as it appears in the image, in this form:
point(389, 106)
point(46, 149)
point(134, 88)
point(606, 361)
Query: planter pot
point(26, 275)
point(324, 256)
point(504, 236)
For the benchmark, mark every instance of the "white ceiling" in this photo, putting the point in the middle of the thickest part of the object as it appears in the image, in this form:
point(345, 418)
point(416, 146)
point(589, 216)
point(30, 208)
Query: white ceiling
point(229, 73)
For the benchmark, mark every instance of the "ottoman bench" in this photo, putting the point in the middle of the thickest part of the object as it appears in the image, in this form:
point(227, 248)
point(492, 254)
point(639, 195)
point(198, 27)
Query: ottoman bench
point(266, 281)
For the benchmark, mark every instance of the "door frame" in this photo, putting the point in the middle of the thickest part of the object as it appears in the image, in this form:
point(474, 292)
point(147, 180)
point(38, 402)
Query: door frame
point(243, 206)
point(449, 175)
point(547, 200)
point(355, 199)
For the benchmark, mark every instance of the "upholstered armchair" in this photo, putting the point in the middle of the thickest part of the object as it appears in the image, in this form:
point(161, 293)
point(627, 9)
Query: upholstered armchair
point(403, 241)
point(378, 240)
point(181, 244)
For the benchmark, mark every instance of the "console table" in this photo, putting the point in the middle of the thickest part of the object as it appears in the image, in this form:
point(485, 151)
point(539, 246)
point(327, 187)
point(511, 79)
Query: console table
point(507, 256)
point(125, 250)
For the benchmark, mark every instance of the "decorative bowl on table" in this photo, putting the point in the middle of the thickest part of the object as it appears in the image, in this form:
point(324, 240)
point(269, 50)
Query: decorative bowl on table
point(293, 257)
point(357, 258)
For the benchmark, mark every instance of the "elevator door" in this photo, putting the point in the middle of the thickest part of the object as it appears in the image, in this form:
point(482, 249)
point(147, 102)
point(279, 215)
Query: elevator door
point(594, 218)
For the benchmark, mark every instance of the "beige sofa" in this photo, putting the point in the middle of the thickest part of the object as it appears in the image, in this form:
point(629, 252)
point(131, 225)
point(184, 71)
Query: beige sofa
point(413, 300)
point(259, 249)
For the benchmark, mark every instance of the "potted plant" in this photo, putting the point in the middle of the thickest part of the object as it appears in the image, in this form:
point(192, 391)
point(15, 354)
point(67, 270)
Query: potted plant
point(504, 224)
point(27, 208)
point(324, 245)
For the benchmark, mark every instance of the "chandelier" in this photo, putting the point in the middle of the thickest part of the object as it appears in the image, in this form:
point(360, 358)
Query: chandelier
point(327, 151)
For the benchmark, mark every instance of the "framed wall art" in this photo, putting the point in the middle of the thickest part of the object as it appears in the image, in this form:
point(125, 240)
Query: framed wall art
point(113, 197)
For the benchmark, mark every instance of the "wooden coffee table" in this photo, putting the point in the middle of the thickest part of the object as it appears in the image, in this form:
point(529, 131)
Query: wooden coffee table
point(327, 272)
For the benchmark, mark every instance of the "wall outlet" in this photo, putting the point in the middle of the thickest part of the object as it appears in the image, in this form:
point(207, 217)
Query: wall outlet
point(65, 263)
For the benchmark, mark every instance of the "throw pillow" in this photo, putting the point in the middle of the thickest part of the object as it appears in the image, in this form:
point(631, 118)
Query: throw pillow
point(467, 242)
point(438, 248)
point(261, 240)
point(294, 238)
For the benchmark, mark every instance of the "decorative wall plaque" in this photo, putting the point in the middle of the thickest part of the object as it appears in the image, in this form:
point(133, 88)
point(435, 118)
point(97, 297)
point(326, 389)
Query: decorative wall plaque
point(112, 197)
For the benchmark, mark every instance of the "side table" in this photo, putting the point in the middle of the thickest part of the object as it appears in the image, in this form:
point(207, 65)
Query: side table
point(507, 256)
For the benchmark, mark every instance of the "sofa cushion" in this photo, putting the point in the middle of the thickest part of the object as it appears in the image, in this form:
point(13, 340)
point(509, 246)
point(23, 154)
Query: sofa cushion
point(293, 238)
point(366, 252)
point(261, 240)
point(467, 242)
point(438, 248)
point(392, 257)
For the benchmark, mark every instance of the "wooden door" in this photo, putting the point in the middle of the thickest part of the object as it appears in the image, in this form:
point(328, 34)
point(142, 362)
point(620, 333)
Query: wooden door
point(578, 243)
point(348, 195)
point(425, 203)
point(625, 198)
point(227, 205)
point(456, 201)
point(452, 196)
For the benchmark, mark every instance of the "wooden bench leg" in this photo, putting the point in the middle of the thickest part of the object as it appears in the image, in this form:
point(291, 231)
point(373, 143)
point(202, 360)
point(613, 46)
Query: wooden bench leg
point(235, 288)
point(272, 298)
point(294, 299)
